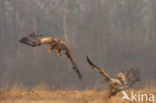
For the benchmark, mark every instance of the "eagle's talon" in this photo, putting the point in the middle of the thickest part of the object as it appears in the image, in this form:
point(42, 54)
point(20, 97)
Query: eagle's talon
point(49, 51)
point(56, 51)
point(58, 54)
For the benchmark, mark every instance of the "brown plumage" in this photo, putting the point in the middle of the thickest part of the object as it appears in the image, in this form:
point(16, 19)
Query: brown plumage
point(55, 45)
point(121, 82)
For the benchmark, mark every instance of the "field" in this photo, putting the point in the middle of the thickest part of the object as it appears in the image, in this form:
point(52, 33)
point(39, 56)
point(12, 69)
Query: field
point(40, 94)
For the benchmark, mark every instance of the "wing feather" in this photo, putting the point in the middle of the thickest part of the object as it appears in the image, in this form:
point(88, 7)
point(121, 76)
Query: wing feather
point(94, 67)
point(70, 56)
point(35, 40)
point(132, 76)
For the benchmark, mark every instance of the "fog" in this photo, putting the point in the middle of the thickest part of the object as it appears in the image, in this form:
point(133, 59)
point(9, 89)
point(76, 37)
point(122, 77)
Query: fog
point(115, 34)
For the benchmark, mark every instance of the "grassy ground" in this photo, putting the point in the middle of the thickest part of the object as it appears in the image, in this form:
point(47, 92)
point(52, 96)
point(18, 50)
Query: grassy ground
point(39, 94)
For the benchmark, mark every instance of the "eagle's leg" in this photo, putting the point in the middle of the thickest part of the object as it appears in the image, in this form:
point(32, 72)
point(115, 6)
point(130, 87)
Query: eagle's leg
point(115, 90)
point(58, 52)
point(49, 51)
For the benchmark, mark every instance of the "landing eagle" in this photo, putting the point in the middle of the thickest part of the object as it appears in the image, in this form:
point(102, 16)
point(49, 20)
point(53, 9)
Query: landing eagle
point(122, 80)
point(56, 45)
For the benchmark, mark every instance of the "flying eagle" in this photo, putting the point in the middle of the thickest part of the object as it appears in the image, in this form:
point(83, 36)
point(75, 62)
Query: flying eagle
point(56, 45)
point(122, 80)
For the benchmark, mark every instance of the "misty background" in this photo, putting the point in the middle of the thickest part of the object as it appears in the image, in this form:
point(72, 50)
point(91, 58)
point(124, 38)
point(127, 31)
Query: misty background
point(115, 34)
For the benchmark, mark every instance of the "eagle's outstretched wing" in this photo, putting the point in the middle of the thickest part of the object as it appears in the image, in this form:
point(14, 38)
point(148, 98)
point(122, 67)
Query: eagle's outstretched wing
point(35, 40)
point(93, 66)
point(132, 76)
point(70, 56)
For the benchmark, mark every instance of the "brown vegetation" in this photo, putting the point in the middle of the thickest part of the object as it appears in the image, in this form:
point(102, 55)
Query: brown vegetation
point(39, 94)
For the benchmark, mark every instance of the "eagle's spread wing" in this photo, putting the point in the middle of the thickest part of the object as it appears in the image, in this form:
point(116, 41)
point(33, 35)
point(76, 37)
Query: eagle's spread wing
point(93, 66)
point(70, 56)
point(35, 40)
point(132, 76)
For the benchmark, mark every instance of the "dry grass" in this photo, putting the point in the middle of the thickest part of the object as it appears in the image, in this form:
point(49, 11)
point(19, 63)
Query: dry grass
point(18, 94)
